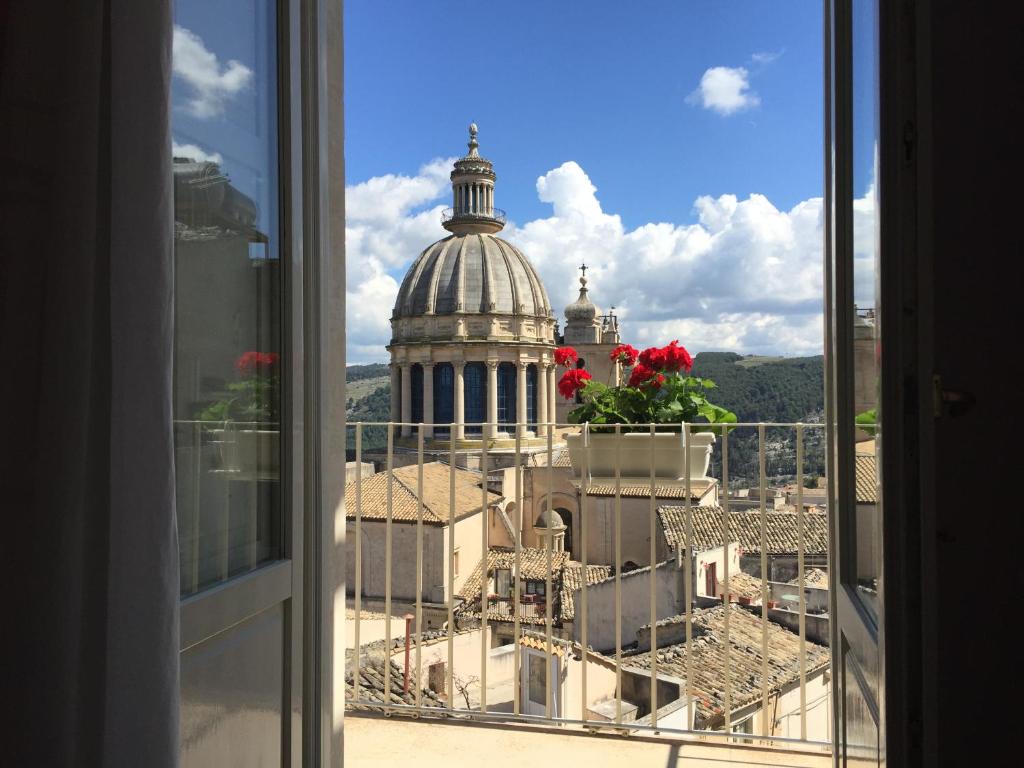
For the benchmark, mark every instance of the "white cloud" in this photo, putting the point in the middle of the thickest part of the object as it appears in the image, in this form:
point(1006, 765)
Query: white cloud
point(196, 153)
point(745, 276)
point(725, 90)
point(386, 227)
point(212, 85)
point(763, 58)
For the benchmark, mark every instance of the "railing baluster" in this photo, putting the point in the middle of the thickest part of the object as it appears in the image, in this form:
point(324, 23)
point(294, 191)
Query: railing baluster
point(197, 499)
point(548, 689)
point(583, 561)
point(389, 479)
point(618, 574)
point(688, 582)
point(358, 597)
point(230, 434)
point(727, 671)
point(485, 430)
point(518, 554)
point(652, 513)
point(449, 689)
point(767, 727)
point(801, 577)
point(419, 563)
point(509, 605)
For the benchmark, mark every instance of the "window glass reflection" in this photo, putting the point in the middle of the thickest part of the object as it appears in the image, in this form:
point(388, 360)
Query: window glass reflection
point(227, 364)
point(866, 544)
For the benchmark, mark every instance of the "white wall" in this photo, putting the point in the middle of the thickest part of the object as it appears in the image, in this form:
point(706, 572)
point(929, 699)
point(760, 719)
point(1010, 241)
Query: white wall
point(403, 560)
point(465, 655)
point(819, 710)
point(469, 547)
point(568, 693)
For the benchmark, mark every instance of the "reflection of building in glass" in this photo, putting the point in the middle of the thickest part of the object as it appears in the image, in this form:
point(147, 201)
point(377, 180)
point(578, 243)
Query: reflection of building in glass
point(226, 289)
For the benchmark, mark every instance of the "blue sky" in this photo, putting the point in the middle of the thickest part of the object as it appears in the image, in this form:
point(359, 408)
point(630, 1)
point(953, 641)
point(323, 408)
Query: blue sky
point(674, 146)
point(601, 83)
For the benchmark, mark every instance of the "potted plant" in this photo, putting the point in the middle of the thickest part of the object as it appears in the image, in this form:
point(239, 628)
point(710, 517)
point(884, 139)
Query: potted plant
point(248, 420)
point(659, 391)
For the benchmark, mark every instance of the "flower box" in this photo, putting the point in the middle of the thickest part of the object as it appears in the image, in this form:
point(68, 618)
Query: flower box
point(250, 451)
point(634, 451)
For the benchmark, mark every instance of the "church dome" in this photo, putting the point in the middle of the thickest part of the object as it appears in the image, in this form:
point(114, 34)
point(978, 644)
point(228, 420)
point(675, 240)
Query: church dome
point(472, 273)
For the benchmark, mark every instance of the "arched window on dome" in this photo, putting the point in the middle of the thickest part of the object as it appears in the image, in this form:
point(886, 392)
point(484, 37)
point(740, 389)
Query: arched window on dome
point(531, 394)
point(506, 393)
point(475, 388)
point(417, 394)
point(444, 396)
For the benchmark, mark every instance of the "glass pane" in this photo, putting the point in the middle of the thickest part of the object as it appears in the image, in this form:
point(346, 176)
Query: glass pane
point(227, 372)
point(866, 541)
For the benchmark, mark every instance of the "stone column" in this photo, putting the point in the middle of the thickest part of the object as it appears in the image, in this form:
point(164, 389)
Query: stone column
point(406, 399)
point(542, 398)
point(552, 391)
point(460, 401)
point(492, 399)
point(396, 394)
point(521, 398)
point(428, 400)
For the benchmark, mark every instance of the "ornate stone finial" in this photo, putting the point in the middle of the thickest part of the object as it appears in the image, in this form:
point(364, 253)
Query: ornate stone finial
point(473, 144)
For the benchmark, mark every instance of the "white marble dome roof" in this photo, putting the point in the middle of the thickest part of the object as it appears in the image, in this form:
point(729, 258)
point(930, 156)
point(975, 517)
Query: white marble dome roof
point(472, 274)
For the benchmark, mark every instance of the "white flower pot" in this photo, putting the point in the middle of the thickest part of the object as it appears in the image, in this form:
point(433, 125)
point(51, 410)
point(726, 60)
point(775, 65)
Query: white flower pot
point(250, 451)
point(633, 451)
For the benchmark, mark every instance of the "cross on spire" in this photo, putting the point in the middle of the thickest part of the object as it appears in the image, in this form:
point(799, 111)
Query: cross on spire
point(584, 268)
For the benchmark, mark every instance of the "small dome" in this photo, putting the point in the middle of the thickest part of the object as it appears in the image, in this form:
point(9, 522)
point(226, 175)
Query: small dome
point(583, 309)
point(472, 274)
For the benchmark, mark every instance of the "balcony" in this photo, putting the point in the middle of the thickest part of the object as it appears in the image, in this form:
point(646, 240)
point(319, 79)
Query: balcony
point(537, 603)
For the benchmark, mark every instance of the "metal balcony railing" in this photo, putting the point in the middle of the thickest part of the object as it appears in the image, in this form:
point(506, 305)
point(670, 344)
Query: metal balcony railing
point(681, 606)
point(495, 214)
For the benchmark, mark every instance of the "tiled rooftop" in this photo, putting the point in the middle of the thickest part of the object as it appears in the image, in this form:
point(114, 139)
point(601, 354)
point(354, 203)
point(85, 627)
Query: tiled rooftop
point(436, 495)
point(371, 685)
point(745, 659)
point(572, 580)
point(741, 585)
point(781, 530)
point(866, 469)
point(533, 565)
point(698, 489)
point(813, 577)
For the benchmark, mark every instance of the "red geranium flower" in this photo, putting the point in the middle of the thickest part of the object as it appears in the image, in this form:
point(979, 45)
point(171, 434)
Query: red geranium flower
point(255, 362)
point(624, 353)
point(643, 376)
point(653, 357)
point(566, 356)
point(572, 381)
point(677, 358)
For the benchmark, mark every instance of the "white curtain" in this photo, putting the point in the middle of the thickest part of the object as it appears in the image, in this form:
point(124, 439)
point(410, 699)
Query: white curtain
point(86, 464)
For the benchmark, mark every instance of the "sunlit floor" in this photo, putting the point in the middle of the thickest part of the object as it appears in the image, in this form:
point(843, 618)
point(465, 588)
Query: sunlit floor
point(376, 741)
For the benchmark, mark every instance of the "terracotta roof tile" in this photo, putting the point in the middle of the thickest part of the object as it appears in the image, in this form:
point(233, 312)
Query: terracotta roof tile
point(371, 686)
point(436, 490)
point(698, 489)
point(866, 468)
point(745, 660)
point(572, 580)
point(533, 565)
point(781, 530)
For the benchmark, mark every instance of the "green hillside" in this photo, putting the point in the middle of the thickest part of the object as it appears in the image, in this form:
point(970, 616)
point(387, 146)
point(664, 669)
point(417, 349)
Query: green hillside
point(368, 398)
point(771, 389)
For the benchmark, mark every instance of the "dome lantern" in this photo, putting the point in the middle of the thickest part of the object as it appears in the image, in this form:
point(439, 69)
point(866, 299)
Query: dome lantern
point(473, 210)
